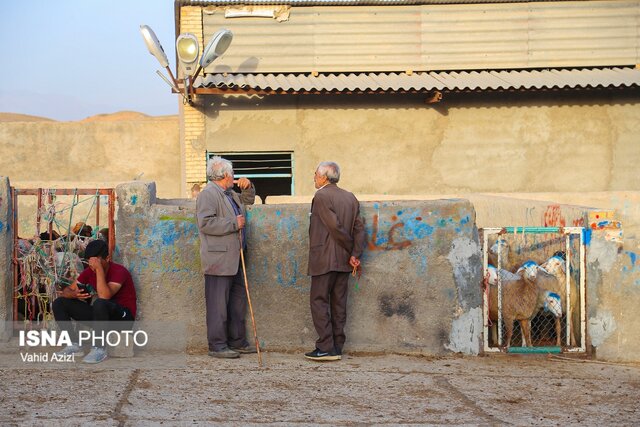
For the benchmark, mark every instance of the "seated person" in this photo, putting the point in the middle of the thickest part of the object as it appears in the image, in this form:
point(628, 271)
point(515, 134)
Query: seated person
point(116, 299)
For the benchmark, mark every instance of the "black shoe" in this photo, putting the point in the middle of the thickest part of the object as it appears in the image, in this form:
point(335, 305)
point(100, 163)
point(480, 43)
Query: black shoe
point(322, 356)
point(225, 353)
point(247, 349)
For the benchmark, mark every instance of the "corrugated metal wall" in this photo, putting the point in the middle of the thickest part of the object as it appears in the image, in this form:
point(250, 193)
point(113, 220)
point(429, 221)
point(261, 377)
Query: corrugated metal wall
point(431, 37)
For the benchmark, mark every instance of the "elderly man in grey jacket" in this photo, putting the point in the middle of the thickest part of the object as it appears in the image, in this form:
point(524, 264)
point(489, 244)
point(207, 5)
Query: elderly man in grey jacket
point(220, 214)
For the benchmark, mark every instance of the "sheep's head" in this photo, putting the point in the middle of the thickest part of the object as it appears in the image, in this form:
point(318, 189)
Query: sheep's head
point(552, 303)
point(500, 246)
point(492, 275)
point(529, 270)
point(555, 265)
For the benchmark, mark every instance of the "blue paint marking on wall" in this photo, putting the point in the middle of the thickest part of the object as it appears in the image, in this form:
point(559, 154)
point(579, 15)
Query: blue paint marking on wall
point(1, 226)
point(287, 275)
point(163, 239)
point(420, 260)
point(287, 225)
point(134, 199)
point(633, 258)
point(586, 236)
point(397, 232)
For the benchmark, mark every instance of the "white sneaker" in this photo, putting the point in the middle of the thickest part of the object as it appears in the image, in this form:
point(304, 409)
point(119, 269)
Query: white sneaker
point(71, 349)
point(96, 355)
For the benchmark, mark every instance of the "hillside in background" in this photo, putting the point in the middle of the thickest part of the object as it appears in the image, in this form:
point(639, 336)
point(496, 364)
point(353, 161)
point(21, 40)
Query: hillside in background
point(112, 117)
point(14, 117)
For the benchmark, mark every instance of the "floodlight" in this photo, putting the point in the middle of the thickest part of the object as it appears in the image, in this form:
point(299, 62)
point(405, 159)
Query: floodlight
point(154, 46)
point(155, 49)
point(187, 49)
point(216, 47)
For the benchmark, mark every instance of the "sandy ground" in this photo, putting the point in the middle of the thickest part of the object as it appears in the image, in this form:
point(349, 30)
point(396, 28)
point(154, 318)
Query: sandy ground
point(359, 390)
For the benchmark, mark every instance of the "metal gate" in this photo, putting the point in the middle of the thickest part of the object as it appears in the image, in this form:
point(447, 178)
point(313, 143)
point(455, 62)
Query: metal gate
point(44, 262)
point(534, 289)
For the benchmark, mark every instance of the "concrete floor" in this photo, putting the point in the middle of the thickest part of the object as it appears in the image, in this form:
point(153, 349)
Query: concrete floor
point(387, 389)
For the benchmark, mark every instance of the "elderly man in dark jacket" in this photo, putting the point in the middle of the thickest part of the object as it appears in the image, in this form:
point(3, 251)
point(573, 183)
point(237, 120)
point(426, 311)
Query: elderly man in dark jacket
point(220, 214)
point(336, 242)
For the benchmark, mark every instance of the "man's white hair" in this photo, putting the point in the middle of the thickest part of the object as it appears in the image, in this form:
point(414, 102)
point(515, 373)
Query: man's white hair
point(217, 167)
point(329, 169)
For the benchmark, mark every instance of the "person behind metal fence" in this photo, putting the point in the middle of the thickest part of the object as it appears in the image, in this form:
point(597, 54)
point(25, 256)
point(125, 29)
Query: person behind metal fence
point(336, 242)
point(115, 301)
point(220, 213)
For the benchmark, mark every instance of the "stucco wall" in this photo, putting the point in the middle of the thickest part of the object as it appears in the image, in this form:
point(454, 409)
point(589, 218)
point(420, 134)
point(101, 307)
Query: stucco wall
point(466, 143)
point(422, 298)
point(419, 292)
point(100, 152)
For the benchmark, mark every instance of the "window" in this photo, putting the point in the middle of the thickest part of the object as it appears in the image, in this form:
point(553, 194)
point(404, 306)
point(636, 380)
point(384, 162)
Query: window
point(270, 172)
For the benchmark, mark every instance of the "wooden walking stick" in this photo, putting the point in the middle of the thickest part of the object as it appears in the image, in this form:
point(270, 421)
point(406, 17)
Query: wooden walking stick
point(246, 287)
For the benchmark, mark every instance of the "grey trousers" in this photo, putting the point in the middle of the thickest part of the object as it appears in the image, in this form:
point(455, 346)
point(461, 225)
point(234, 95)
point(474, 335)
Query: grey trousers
point(328, 302)
point(226, 302)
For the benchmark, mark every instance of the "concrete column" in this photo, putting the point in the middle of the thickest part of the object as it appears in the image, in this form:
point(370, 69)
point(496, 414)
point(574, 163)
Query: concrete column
point(6, 256)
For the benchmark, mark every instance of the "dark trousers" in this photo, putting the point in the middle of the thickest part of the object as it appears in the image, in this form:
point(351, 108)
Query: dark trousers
point(100, 312)
point(226, 301)
point(329, 309)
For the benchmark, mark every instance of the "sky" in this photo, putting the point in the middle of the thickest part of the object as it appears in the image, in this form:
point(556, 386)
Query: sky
point(71, 59)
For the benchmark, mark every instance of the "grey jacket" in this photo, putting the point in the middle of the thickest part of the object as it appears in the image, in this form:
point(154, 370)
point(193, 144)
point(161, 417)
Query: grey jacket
point(218, 227)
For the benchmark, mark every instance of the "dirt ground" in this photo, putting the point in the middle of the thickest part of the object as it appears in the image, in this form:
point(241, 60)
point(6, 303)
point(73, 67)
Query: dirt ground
point(359, 390)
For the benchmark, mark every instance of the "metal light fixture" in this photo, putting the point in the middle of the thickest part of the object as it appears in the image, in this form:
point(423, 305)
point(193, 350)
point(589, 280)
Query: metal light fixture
point(216, 47)
point(187, 49)
point(155, 49)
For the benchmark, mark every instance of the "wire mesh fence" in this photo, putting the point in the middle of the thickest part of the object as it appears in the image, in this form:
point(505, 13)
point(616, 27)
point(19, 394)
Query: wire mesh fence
point(533, 287)
point(49, 243)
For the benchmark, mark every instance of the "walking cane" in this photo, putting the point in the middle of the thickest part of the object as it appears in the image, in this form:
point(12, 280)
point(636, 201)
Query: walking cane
point(246, 287)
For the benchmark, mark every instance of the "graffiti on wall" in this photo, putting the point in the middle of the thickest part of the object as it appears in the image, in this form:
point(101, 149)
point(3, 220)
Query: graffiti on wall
point(604, 223)
point(398, 232)
point(171, 245)
point(554, 217)
point(632, 266)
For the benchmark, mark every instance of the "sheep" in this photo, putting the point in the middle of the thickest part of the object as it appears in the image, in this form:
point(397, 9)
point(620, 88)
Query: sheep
point(501, 246)
point(519, 302)
point(555, 267)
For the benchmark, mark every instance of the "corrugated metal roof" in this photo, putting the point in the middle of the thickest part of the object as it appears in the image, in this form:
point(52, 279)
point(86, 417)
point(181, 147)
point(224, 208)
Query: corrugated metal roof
point(427, 81)
point(375, 39)
point(345, 2)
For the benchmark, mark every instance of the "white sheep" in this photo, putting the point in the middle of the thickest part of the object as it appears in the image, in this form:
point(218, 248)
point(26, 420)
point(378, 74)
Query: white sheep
point(555, 266)
point(519, 302)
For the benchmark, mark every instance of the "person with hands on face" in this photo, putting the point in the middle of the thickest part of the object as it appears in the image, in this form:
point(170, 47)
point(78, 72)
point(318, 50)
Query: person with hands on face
point(220, 214)
point(104, 292)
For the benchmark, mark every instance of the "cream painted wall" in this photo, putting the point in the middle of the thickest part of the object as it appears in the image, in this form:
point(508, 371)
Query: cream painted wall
point(465, 144)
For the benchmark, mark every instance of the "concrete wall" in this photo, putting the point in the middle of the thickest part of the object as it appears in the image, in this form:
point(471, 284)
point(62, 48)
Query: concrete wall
point(6, 257)
point(96, 152)
point(521, 142)
point(423, 298)
point(419, 292)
